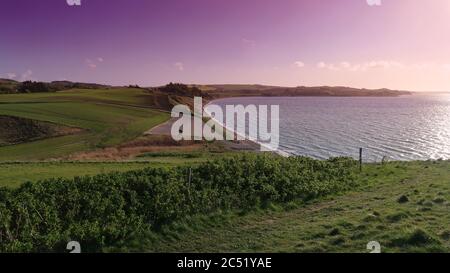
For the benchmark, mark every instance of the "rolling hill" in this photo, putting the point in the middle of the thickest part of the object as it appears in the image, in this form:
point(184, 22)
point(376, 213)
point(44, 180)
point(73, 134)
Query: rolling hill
point(8, 86)
point(106, 117)
point(241, 90)
point(405, 203)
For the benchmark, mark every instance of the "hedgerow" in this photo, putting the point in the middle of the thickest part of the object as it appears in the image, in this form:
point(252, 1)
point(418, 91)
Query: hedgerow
point(99, 210)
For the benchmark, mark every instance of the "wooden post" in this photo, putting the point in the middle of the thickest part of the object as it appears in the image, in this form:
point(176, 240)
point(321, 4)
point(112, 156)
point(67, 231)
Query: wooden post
point(189, 185)
point(190, 177)
point(360, 159)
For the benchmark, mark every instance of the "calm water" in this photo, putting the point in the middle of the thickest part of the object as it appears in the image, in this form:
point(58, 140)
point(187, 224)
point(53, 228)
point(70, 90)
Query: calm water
point(413, 127)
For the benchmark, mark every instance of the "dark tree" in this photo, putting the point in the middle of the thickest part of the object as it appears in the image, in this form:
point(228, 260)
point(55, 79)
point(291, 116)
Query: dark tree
point(33, 87)
point(181, 89)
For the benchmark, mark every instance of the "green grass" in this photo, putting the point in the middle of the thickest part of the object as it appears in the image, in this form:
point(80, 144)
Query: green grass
point(128, 96)
point(344, 223)
point(109, 117)
point(12, 174)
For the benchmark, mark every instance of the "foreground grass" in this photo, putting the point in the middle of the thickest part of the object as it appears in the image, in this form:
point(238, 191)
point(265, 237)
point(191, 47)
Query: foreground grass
point(402, 205)
point(99, 211)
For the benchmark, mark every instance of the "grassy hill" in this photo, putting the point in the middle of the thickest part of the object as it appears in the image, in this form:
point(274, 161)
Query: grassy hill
point(107, 117)
point(8, 86)
point(402, 205)
point(253, 204)
point(16, 130)
point(106, 121)
point(104, 209)
point(242, 90)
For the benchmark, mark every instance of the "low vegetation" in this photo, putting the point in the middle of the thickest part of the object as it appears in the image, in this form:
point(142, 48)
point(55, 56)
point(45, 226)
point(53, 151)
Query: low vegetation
point(374, 210)
point(14, 174)
point(102, 210)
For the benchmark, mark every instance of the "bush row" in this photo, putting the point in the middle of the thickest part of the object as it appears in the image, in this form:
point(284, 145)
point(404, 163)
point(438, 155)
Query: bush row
point(100, 210)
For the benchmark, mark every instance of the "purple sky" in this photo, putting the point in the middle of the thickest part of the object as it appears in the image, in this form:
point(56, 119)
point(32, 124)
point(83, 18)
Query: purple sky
point(401, 44)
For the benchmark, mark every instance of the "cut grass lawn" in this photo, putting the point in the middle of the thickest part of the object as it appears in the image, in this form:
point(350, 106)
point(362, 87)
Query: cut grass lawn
point(109, 117)
point(402, 205)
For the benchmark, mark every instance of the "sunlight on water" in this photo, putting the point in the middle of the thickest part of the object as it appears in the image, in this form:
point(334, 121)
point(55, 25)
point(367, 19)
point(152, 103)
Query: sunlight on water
point(413, 127)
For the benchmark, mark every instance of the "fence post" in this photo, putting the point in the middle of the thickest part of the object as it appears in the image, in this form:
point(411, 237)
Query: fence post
point(190, 177)
point(360, 159)
point(189, 185)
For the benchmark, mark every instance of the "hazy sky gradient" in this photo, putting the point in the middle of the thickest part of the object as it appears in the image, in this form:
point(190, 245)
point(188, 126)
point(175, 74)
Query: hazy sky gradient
point(402, 44)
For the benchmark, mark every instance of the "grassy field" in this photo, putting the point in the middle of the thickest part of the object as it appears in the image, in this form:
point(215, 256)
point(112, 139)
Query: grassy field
point(12, 174)
point(404, 206)
point(129, 96)
point(108, 117)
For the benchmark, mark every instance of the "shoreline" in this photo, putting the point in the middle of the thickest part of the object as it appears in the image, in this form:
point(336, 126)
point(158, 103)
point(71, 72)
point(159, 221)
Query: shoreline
point(261, 147)
point(246, 144)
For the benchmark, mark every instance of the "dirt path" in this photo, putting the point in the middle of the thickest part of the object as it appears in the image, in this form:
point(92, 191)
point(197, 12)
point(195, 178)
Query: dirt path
point(162, 129)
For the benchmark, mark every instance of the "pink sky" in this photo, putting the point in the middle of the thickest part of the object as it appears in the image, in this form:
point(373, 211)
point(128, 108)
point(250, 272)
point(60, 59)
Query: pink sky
point(401, 44)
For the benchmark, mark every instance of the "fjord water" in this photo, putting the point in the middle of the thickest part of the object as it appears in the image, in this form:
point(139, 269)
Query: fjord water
point(415, 127)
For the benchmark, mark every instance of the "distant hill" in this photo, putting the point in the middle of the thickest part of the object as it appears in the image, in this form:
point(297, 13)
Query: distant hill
point(8, 86)
point(65, 85)
point(219, 91)
point(166, 97)
point(178, 91)
point(7, 81)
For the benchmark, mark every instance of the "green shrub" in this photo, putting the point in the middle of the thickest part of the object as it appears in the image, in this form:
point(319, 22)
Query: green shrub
point(100, 210)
